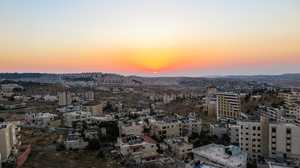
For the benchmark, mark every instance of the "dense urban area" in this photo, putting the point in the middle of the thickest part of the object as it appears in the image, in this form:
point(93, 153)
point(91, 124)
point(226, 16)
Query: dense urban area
point(110, 120)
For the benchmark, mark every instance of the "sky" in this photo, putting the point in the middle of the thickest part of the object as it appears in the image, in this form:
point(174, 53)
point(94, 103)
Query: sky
point(134, 37)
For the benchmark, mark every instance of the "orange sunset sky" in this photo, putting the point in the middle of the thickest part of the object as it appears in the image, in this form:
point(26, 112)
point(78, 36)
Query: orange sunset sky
point(174, 38)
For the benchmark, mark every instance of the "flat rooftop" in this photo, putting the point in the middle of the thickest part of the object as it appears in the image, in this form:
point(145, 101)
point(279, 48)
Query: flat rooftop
point(217, 153)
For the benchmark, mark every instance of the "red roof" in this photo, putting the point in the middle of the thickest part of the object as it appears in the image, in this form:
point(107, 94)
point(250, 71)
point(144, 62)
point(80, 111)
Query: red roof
point(148, 139)
point(212, 86)
point(92, 103)
point(53, 94)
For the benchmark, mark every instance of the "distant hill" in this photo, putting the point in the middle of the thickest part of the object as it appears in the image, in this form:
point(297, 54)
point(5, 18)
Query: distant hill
point(295, 76)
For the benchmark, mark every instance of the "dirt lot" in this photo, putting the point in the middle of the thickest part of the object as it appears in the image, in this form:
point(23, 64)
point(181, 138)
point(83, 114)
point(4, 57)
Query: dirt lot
point(66, 159)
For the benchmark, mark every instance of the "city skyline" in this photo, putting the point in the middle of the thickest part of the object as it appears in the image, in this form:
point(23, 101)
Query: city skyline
point(172, 38)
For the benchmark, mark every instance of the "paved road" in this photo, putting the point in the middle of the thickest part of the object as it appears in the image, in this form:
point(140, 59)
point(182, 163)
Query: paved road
point(178, 162)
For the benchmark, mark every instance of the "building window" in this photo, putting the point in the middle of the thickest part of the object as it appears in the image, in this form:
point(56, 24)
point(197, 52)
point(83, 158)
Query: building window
point(288, 131)
point(254, 134)
point(258, 128)
point(274, 130)
point(254, 128)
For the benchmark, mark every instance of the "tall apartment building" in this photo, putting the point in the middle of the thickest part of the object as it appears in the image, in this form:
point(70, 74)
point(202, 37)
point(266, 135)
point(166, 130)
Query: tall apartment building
point(137, 149)
point(64, 98)
point(89, 95)
point(42, 120)
point(9, 139)
point(164, 128)
point(77, 116)
point(291, 98)
point(211, 100)
point(228, 105)
point(179, 146)
point(267, 139)
point(132, 127)
point(93, 106)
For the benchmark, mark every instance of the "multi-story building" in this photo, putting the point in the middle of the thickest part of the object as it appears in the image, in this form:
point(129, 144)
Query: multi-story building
point(132, 127)
point(164, 127)
point(93, 106)
point(73, 142)
point(137, 149)
point(77, 116)
point(270, 112)
point(93, 132)
point(218, 129)
point(42, 120)
point(265, 139)
point(179, 146)
point(233, 133)
point(64, 98)
point(293, 111)
point(89, 95)
point(211, 100)
point(9, 139)
point(291, 98)
point(228, 105)
point(191, 125)
point(221, 156)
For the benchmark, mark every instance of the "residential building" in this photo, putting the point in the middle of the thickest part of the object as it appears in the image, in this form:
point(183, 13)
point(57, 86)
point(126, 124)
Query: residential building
point(270, 112)
point(291, 98)
point(64, 98)
point(191, 125)
point(89, 95)
point(78, 117)
point(9, 139)
point(217, 129)
point(10, 87)
point(223, 156)
point(93, 131)
point(228, 105)
point(293, 110)
point(164, 127)
point(51, 97)
point(42, 120)
point(132, 127)
point(74, 142)
point(211, 100)
point(93, 106)
point(233, 133)
point(265, 138)
point(137, 149)
point(179, 147)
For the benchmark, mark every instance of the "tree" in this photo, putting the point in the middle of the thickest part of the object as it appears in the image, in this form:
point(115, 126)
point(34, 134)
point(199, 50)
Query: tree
point(17, 90)
point(74, 124)
point(94, 144)
point(2, 119)
point(84, 125)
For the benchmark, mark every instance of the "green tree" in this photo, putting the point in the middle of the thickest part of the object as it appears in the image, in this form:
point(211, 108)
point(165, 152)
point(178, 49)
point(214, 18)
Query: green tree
point(84, 125)
point(100, 154)
point(94, 144)
point(74, 124)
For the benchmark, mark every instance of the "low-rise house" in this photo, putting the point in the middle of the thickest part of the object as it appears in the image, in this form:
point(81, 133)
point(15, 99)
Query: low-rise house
point(137, 149)
point(179, 146)
point(14, 105)
point(78, 117)
point(224, 156)
point(130, 127)
point(93, 132)
point(10, 87)
point(42, 120)
point(74, 142)
point(51, 97)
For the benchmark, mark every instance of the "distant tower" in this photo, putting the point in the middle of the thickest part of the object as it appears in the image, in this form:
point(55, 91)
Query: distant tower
point(64, 98)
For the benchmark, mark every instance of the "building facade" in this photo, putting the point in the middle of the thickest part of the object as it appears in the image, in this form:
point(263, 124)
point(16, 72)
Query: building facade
point(228, 105)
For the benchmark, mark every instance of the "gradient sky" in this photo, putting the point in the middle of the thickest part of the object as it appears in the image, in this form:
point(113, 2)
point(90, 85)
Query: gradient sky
point(138, 37)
